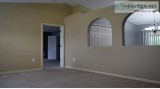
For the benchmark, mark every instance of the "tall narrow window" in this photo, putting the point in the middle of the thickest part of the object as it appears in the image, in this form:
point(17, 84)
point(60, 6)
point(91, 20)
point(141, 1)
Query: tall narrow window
point(100, 33)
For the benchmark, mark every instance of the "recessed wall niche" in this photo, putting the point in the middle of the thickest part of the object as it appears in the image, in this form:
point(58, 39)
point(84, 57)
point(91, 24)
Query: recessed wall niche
point(100, 33)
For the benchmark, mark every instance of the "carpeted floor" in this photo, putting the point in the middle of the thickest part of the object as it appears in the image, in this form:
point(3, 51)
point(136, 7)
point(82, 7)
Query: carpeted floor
point(51, 64)
point(67, 78)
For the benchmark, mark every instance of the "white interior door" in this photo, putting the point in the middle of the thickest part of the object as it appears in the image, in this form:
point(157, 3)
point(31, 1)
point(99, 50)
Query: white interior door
point(52, 47)
point(62, 47)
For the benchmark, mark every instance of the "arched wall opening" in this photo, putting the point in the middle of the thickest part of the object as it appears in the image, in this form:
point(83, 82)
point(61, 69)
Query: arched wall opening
point(142, 28)
point(100, 33)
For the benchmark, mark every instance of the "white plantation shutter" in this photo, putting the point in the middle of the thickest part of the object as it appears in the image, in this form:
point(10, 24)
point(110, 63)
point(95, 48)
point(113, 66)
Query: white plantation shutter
point(151, 38)
point(100, 36)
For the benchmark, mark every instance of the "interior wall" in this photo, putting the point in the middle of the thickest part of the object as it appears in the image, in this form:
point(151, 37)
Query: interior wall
point(131, 34)
point(20, 32)
point(134, 61)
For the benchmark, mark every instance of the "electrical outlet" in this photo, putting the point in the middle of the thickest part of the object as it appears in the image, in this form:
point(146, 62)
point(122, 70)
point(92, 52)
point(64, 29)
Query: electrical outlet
point(74, 59)
point(33, 60)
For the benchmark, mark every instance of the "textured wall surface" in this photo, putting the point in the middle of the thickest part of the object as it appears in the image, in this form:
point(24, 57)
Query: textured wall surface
point(20, 32)
point(134, 61)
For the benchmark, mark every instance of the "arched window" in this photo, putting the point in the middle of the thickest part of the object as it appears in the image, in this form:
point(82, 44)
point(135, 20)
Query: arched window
point(142, 28)
point(100, 33)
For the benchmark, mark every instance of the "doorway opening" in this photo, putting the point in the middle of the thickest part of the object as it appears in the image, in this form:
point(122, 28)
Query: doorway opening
point(53, 46)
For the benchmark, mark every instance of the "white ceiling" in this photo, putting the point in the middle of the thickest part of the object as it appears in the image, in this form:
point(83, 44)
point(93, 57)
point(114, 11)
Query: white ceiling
point(141, 18)
point(92, 4)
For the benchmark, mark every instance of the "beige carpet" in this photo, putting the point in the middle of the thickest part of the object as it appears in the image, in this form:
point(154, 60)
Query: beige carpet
point(68, 78)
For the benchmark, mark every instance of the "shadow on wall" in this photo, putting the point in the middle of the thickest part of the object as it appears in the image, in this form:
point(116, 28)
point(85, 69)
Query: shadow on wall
point(123, 28)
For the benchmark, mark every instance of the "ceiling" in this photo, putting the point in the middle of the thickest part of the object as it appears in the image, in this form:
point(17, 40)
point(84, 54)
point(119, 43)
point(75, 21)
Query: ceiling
point(141, 18)
point(91, 4)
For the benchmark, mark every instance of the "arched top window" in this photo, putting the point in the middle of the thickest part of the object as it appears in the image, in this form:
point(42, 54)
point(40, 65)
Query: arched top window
point(100, 33)
point(142, 28)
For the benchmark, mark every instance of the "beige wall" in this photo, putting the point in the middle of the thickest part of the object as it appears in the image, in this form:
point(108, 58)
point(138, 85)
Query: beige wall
point(134, 61)
point(20, 32)
point(20, 41)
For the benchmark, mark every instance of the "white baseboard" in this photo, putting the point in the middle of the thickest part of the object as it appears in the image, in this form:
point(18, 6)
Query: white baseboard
point(116, 75)
point(19, 71)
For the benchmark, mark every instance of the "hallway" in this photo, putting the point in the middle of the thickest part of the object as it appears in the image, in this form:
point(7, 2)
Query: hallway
point(51, 64)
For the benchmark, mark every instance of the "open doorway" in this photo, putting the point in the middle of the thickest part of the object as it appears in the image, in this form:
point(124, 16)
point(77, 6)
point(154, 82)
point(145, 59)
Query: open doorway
point(52, 51)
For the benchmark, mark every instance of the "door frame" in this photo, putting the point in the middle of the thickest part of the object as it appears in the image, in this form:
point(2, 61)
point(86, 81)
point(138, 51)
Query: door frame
point(61, 41)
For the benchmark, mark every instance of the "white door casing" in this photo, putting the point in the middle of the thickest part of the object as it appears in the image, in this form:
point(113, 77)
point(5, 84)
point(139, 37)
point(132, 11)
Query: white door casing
point(62, 47)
